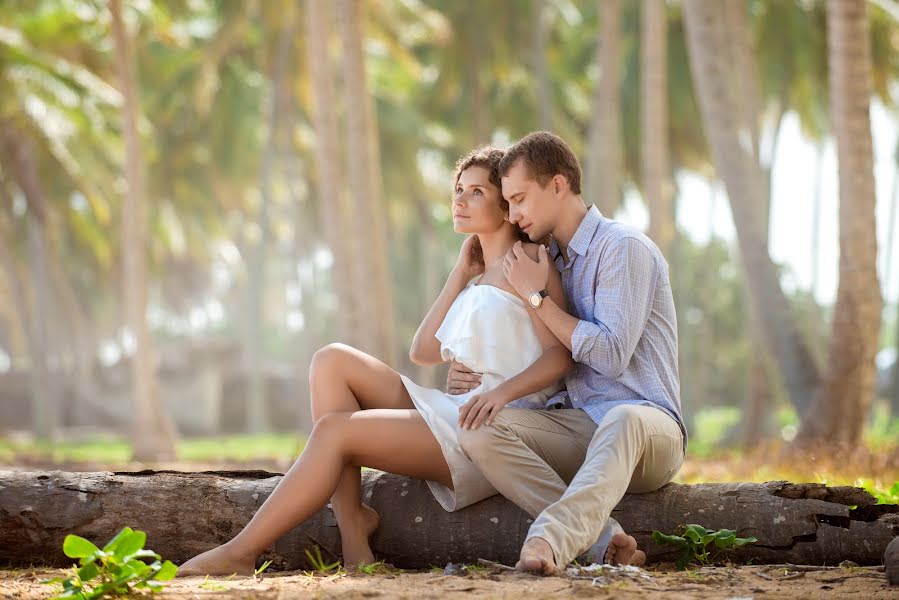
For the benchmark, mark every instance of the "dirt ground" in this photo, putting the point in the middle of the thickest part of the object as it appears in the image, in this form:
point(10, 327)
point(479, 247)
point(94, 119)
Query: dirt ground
point(658, 581)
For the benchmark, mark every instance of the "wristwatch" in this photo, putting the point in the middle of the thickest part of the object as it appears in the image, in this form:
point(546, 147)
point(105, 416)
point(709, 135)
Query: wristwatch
point(535, 299)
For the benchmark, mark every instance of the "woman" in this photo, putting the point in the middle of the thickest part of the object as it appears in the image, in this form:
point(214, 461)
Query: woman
point(367, 414)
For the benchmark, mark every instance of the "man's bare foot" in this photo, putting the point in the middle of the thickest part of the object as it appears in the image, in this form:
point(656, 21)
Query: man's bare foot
point(221, 560)
point(354, 537)
point(623, 551)
point(537, 557)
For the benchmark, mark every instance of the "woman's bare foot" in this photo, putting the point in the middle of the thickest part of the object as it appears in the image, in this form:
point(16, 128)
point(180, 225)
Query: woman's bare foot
point(354, 537)
point(623, 551)
point(537, 557)
point(221, 560)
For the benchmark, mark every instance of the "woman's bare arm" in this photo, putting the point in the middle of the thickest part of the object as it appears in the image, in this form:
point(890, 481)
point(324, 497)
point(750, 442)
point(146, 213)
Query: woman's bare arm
point(425, 349)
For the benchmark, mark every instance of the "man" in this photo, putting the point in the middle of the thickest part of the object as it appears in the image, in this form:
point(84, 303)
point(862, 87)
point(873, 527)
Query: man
point(618, 427)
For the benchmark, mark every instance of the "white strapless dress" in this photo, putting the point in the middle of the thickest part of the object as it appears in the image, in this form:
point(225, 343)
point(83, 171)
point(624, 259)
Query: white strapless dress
point(489, 331)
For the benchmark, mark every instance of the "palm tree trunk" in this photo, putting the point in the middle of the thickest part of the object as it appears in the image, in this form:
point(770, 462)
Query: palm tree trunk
point(256, 408)
point(541, 70)
point(736, 164)
point(18, 160)
point(747, 84)
point(44, 378)
point(603, 168)
point(654, 149)
point(153, 431)
point(333, 210)
point(370, 220)
point(429, 271)
point(841, 405)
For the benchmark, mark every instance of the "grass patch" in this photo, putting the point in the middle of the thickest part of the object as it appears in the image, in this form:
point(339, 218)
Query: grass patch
point(109, 449)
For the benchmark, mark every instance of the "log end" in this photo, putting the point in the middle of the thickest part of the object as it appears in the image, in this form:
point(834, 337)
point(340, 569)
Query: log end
point(891, 562)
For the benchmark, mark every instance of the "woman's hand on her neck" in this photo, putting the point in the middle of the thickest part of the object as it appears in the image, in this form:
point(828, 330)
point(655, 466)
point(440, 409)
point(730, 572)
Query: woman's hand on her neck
point(466, 265)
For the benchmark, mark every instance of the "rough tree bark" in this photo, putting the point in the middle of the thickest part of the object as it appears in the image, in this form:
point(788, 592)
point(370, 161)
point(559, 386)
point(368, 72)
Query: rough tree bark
point(838, 411)
point(186, 513)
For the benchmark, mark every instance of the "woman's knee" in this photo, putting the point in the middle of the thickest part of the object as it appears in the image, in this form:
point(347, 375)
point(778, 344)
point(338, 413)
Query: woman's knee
point(328, 360)
point(332, 426)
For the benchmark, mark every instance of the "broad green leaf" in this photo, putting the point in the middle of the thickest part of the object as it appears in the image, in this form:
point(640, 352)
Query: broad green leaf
point(685, 559)
point(660, 538)
point(131, 543)
point(77, 547)
point(88, 571)
point(725, 533)
point(725, 542)
point(738, 542)
point(143, 553)
point(167, 571)
point(113, 544)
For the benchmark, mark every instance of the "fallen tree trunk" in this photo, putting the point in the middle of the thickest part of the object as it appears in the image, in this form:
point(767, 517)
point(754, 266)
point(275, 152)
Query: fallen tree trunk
point(186, 513)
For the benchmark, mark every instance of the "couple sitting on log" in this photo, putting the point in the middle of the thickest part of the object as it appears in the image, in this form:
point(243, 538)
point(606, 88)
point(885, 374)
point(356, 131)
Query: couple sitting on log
point(563, 392)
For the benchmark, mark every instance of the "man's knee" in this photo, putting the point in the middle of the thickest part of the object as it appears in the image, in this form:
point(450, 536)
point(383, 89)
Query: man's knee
point(625, 415)
point(480, 444)
point(477, 443)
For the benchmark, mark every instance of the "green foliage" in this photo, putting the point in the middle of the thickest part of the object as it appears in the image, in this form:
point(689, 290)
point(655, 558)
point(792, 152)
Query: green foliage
point(264, 566)
point(382, 568)
point(319, 563)
point(695, 542)
point(115, 570)
point(883, 494)
point(111, 450)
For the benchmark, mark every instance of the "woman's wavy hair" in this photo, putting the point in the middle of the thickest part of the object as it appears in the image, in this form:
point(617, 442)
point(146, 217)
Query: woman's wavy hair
point(489, 158)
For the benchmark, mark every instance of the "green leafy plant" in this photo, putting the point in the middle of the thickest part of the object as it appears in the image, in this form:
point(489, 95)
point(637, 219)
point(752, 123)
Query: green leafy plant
point(319, 563)
point(115, 570)
point(381, 568)
point(264, 566)
point(883, 494)
point(695, 542)
point(212, 586)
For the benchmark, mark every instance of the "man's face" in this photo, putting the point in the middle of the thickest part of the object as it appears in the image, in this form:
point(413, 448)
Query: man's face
point(531, 207)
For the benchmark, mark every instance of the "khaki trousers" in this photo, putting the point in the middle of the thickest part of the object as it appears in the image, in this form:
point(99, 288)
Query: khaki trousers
point(569, 473)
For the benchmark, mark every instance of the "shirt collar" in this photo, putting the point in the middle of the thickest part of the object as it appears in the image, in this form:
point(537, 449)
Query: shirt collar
point(584, 234)
point(580, 242)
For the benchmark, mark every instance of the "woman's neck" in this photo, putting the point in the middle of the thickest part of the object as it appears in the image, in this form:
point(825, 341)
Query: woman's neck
point(495, 245)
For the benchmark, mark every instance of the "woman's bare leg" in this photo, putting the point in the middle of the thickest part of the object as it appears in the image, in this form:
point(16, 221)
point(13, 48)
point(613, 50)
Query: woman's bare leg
point(394, 440)
point(344, 379)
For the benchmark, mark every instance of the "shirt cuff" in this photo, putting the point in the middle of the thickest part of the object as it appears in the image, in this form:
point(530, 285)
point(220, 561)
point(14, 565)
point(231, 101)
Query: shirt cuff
point(582, 340)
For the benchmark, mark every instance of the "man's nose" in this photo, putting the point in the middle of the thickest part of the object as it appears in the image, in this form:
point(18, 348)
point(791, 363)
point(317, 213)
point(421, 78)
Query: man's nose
point(514, 216)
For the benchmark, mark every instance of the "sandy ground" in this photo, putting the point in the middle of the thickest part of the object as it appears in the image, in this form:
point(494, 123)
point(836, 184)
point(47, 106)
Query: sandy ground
point(656, 582)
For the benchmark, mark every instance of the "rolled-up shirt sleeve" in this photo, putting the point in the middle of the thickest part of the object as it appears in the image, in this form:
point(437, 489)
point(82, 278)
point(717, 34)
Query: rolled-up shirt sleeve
point(625, 286)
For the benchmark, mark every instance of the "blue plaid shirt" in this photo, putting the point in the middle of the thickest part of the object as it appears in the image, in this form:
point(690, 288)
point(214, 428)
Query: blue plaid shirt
point(625, 344)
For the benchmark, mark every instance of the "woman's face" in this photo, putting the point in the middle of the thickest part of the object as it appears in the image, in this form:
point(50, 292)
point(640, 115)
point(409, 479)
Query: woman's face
point(476, 203)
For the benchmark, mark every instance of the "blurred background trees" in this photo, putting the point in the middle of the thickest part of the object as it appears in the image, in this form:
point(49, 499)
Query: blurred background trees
point(277, 175)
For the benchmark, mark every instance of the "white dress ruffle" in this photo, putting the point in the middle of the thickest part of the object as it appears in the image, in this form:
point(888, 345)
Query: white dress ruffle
point(488, 330)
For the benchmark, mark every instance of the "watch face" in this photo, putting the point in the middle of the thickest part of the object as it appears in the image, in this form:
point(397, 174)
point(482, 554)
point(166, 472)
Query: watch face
point(535, 299)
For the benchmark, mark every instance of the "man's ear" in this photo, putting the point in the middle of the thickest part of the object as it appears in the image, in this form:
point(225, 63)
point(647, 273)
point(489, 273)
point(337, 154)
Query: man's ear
point(560, 183)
